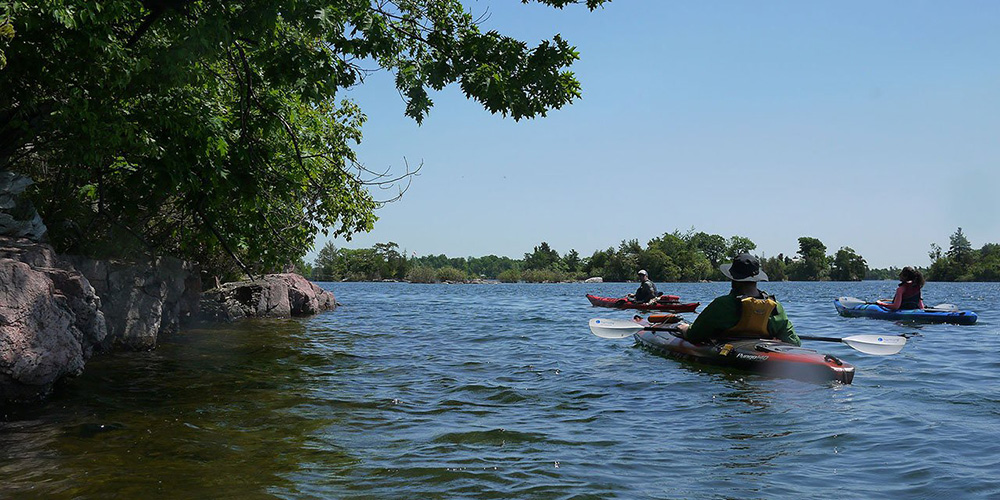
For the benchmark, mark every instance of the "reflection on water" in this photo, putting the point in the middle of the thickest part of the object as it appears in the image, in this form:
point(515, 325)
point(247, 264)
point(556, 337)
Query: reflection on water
point(221, 400)
point(499, 391)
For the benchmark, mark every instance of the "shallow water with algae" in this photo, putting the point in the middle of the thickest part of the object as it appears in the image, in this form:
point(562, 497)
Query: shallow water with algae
point(500, 391)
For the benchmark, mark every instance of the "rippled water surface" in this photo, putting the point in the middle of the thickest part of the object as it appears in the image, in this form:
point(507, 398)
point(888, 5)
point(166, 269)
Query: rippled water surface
point(500, 391)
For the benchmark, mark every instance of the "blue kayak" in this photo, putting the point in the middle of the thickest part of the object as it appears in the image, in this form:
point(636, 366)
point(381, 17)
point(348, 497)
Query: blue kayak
point(851, 307)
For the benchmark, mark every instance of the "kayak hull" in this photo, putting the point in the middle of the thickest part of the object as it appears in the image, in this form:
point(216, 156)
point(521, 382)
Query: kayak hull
point(771, 358)
point(622, 303)
point(907, 315)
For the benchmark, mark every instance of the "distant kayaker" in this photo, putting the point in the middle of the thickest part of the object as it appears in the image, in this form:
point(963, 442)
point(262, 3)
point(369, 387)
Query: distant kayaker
point(744, 312)
point(646, 292)
point(908, 291)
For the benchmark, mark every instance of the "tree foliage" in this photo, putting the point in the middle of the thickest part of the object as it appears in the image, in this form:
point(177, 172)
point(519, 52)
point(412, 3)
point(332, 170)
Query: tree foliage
point(962, 262)
point(776, 268)
point(960, 250)
point(384, 261)
point(713, 246)
point(207, 129)
point(509, 276)
point(671, 257)
point(6, 35)
point(449, 273)
point(888, 273)
point(987, 266)
point(542, 257)
point(813, 263)
point(422, 274)
point(740, 244)
point(848, 266)
point(572, 261)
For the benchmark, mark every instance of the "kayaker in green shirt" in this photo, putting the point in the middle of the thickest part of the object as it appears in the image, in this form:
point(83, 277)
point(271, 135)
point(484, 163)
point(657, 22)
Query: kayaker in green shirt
point(744, 312)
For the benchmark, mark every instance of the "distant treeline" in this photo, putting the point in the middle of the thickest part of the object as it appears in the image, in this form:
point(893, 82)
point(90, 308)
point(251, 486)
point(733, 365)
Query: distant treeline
point(676, 256)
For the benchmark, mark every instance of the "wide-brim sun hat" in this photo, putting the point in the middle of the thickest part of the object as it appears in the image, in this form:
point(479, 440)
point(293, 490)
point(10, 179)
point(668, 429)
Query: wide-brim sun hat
point(745, 267)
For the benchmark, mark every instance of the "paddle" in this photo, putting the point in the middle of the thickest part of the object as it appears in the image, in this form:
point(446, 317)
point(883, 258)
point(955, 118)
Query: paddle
point(614, 329)
point(942, 308)
point(878, 345)
point(850, 302)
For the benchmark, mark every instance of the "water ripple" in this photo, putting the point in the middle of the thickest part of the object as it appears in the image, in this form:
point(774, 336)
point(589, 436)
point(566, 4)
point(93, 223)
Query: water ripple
point(499, 391)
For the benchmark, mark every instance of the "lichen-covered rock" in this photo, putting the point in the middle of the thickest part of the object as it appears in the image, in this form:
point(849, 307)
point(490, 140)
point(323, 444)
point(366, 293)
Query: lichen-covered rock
point(50, 320)
point(272, 296)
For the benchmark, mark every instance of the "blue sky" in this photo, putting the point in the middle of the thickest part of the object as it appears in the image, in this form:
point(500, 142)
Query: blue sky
point(873, 125)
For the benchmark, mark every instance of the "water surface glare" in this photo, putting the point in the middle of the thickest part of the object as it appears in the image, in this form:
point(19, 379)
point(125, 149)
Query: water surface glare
point(500, 391)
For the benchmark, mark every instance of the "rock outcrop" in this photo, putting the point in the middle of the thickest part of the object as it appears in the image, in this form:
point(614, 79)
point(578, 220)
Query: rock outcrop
point(142, 300)
point(272, 296)
point(50, 319)
point(18, 218)
point(56, 311)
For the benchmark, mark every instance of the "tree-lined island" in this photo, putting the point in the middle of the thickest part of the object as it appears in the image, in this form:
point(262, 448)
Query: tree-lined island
point(672, 257)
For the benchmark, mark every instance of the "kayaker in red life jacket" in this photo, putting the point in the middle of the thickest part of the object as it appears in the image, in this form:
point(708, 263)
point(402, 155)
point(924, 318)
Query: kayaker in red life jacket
point(646, 293)
point(908, 291)
point(744, 312)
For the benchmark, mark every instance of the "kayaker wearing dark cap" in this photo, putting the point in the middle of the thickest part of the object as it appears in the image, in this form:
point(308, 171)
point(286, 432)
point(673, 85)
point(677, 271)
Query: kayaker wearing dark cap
point(646, 291)
point(745, 311)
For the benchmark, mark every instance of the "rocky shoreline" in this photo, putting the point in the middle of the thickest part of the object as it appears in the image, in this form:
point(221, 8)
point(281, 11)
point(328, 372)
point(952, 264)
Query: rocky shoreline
point(57, 311)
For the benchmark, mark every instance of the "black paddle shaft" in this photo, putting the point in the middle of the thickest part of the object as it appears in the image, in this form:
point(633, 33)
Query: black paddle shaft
point(824, 339)
point(836, 339)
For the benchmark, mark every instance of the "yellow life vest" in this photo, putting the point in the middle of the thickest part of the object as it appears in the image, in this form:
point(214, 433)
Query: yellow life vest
point(753, 318)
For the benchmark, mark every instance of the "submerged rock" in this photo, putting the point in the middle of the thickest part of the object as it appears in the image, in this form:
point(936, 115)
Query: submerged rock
point(272, 296)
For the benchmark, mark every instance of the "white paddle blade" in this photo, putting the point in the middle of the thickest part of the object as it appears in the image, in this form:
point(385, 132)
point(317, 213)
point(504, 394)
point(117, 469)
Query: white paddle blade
point(942, 308)
point(878, 345)
point(850, 302)
point(613, 329)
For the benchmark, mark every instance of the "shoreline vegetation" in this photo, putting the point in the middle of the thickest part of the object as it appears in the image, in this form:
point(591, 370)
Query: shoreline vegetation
point(225, 133)
point(217, 136)
point(673, 257)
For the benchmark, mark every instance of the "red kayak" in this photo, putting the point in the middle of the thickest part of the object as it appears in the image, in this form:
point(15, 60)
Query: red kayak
point(771, 358)
point(665, 303)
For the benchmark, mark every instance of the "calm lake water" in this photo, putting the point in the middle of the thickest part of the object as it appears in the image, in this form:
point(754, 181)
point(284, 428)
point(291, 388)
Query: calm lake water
point(500, 391)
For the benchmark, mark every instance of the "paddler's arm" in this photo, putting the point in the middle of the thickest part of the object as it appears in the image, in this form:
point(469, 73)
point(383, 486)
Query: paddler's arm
point(716, 318)
point(897, 301)
point(781, 327)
